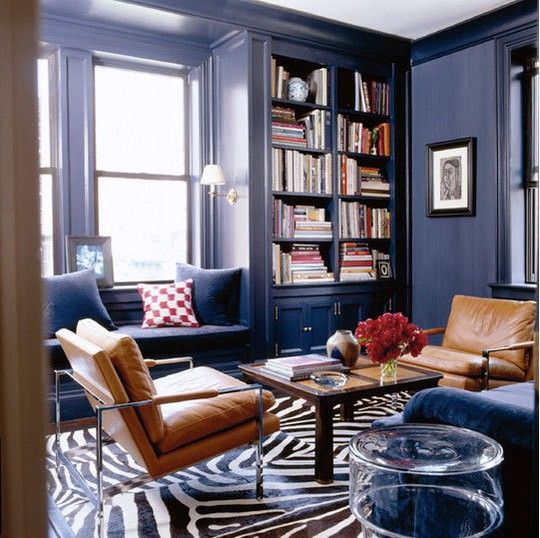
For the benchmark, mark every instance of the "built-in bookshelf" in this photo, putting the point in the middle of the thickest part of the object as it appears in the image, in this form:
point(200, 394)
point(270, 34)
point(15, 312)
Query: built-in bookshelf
point(332, 163)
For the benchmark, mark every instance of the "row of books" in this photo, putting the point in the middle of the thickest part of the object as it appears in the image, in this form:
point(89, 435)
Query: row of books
point(293, 171)
point(317, 82)
point(300, 221)
point(359, 262)
point(318, 132)
point(286, 129)
point(371, 96)
point(360, 220)
point(303, 264)
point(354, 137)
point(318, 86)
point(301, 367)
point(362, 180)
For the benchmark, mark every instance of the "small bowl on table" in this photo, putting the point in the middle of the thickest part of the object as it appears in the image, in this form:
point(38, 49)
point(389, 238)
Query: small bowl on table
point(329, 379)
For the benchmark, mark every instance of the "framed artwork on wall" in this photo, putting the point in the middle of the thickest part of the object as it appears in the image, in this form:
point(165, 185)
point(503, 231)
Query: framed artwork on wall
point(91, 252)
point(451, 178)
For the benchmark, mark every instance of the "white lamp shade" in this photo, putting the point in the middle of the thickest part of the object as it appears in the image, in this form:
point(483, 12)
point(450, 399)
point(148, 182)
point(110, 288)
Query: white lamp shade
point(213, 175)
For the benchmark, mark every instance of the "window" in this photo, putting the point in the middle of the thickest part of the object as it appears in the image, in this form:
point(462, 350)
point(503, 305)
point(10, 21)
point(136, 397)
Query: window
point(46, 169)
point(141, 170)
point(530, 93)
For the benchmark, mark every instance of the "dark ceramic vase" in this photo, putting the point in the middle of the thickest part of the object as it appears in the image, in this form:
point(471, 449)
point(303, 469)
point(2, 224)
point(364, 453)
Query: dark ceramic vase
point(342, 345)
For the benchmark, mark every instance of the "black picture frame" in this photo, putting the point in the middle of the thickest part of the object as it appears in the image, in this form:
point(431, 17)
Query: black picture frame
point(91, 252)
point(384, 269)
point(451, 181)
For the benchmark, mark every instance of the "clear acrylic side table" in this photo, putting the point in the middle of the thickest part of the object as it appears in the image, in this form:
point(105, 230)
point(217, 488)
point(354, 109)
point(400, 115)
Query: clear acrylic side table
point(426, 481)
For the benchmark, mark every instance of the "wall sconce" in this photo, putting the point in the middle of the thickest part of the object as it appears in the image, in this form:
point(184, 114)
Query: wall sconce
point(213, 176)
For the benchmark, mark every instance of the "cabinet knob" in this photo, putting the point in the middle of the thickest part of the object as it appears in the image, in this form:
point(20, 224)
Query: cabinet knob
point(307, 329)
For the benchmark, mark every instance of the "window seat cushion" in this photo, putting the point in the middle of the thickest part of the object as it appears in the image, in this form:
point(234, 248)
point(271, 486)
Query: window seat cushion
point(170, 341)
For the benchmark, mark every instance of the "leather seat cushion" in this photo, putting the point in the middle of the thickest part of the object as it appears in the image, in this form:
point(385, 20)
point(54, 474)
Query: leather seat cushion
point(464, 364)
point(189, 421)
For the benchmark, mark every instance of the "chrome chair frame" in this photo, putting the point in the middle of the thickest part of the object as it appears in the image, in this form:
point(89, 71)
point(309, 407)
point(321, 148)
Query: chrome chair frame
point(102, 494)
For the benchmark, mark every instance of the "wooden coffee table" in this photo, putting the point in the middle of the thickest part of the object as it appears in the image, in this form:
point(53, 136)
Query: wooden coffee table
point(363, 381)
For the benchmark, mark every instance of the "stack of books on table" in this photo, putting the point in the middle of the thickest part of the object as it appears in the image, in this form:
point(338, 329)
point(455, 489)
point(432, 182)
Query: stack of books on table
point(286, 130)
point(301, 366)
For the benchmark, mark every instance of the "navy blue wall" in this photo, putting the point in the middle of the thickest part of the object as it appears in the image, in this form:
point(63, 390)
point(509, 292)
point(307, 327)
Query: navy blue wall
point(453, 97)
point(458, 88)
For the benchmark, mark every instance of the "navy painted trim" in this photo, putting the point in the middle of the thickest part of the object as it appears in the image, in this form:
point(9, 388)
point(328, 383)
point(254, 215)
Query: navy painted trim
point(474, 31)
point(505, 46)
point(82, 35)
point(289, 25)
point(518, 292)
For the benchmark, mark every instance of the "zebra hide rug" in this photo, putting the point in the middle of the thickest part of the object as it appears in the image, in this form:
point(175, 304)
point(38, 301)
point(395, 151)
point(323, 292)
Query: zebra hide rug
point(217, 498)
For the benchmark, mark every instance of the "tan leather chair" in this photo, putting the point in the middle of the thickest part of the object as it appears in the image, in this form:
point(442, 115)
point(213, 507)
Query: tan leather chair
point(166, 424)
point(487, 343)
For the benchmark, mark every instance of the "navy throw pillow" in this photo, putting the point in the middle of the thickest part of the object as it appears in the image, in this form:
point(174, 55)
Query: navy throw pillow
point(215, 293)
point(70, 298)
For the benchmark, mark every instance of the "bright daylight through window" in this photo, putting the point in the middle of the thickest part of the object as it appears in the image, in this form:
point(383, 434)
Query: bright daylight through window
point(142, 182)
point(46, 170)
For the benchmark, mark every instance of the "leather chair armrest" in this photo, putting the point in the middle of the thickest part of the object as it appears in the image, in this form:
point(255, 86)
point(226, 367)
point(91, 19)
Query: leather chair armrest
point(201, 394)
point(160, 362)
point(435, 330)
point(511, 347)
point(184, 396)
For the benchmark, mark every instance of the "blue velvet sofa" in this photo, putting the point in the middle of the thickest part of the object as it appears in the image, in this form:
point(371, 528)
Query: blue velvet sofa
point(506, 414)
point(221, 342)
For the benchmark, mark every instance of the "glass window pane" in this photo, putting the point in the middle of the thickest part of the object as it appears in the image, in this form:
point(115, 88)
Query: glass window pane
point(147, 220)
point(139, 121)
point(46, 217)
point(44, 113)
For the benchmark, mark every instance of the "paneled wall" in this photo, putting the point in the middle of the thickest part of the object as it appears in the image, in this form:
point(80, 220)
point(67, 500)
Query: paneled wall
point(459, 88)
point(453, 96)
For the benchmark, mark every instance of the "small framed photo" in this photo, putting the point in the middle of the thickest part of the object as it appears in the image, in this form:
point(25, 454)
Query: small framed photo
point(450, 178)
point(91, 252)
point(384, 269)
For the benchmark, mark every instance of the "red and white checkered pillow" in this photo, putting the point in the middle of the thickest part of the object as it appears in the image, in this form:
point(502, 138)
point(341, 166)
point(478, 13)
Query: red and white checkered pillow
point(168, 305)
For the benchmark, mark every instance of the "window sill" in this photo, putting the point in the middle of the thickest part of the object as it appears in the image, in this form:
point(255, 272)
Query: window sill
point(517, 291)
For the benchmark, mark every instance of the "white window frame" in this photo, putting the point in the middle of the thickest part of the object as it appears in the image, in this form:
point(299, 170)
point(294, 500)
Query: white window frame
point(49, 54)
point(186, 177)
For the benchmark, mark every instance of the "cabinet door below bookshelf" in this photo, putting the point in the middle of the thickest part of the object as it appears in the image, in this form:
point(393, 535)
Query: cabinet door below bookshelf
point(289, 334)
point(352, 309)
point(321, 318)
point(303, 328)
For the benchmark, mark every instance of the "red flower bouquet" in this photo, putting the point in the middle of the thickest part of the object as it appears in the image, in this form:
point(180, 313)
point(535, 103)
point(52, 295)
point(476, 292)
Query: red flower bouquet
point(390, 336)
